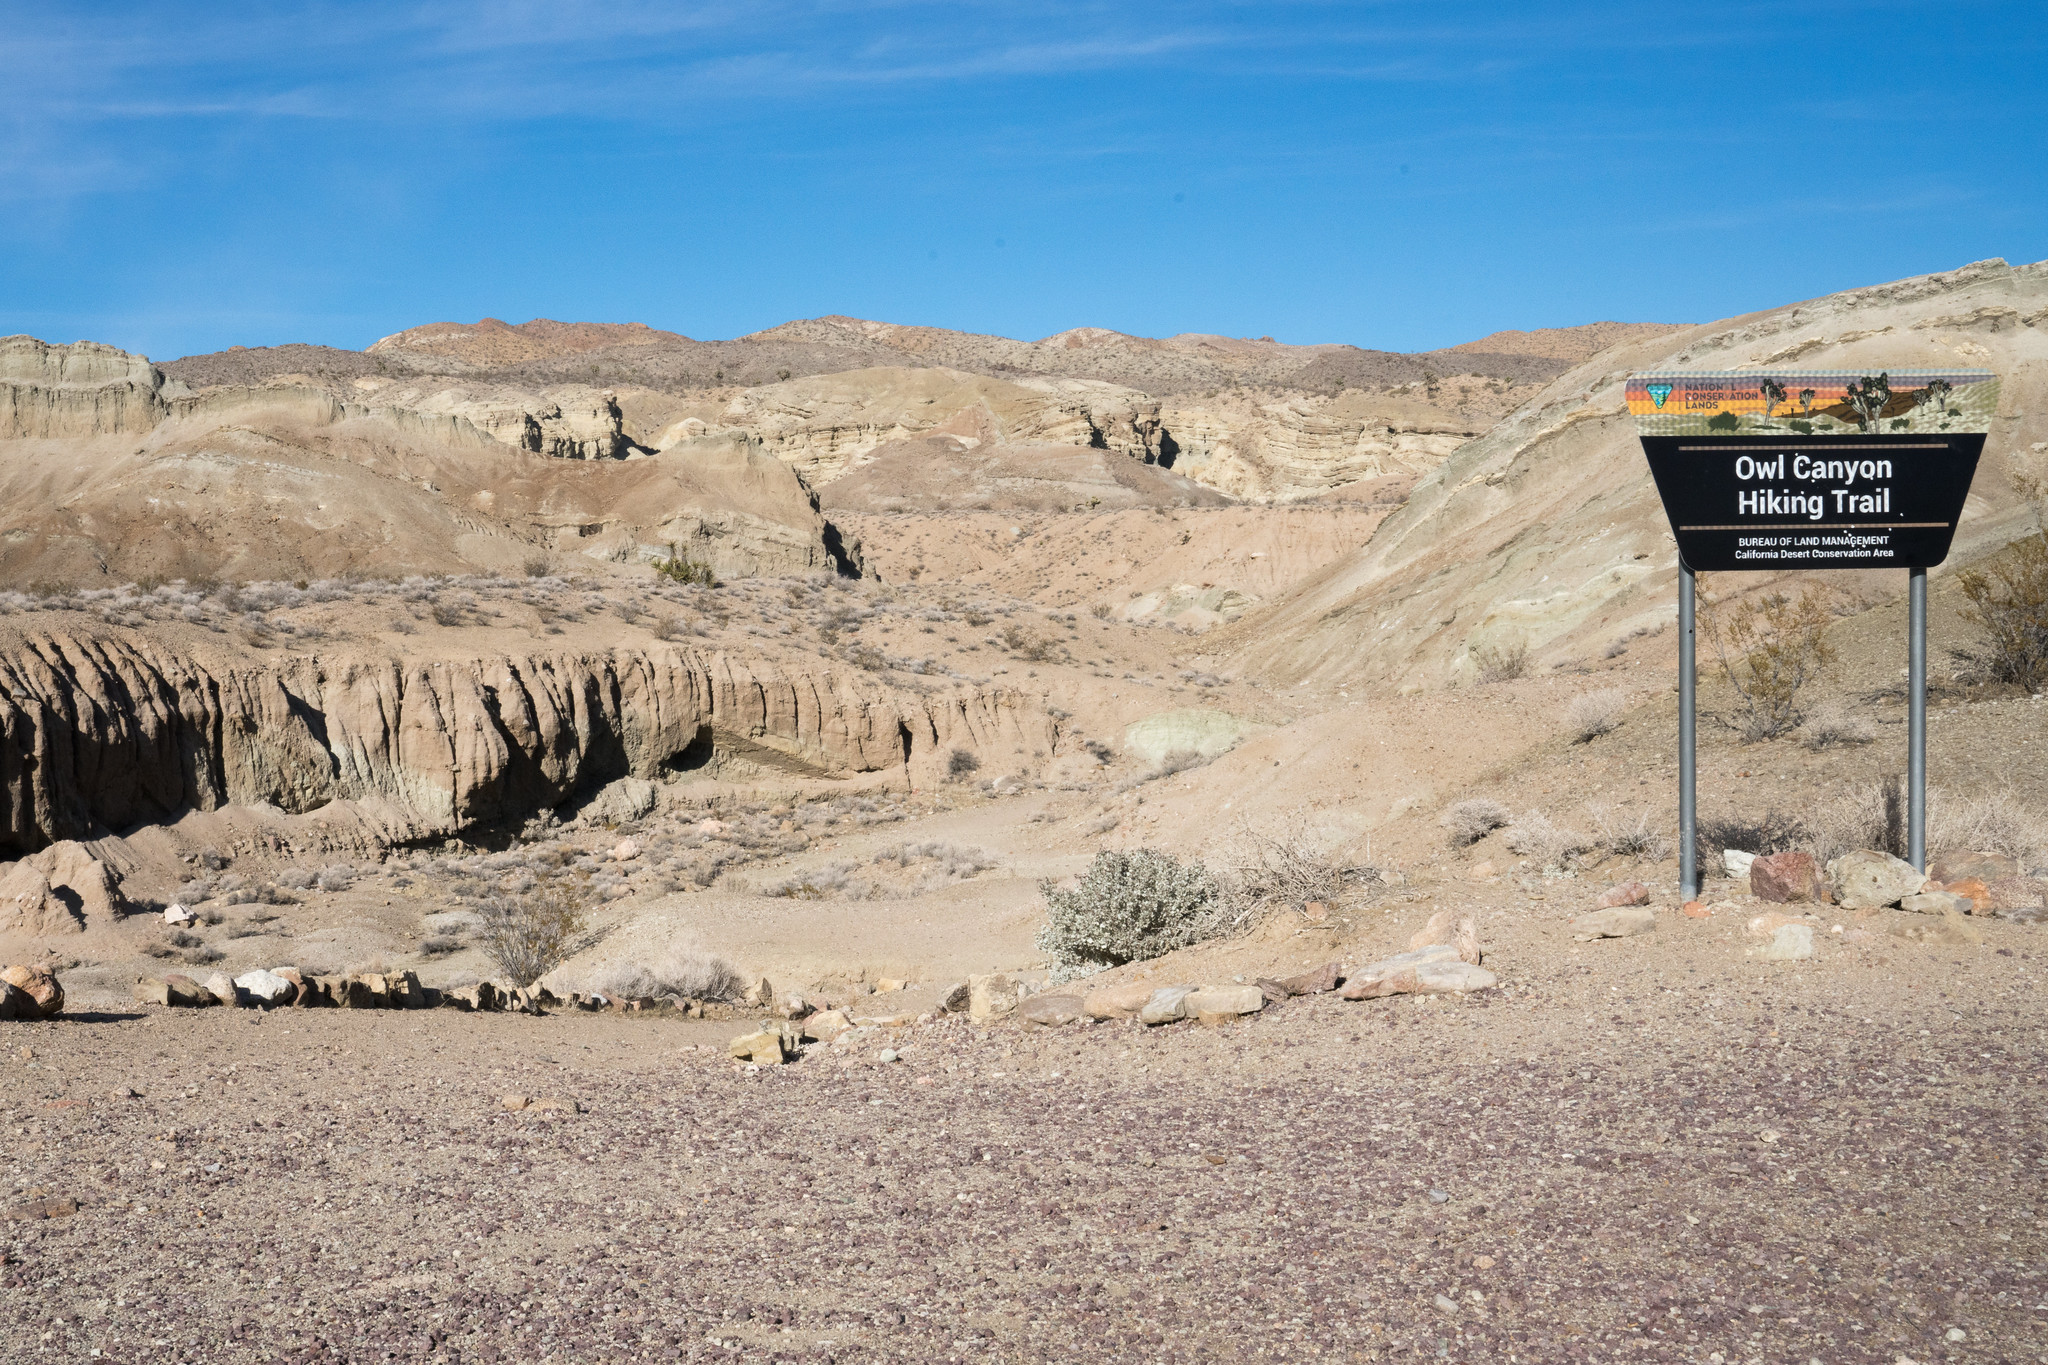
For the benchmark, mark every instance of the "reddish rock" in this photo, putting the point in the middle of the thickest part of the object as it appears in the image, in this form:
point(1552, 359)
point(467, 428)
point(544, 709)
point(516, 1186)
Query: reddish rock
point(41, 986)
point(1786, 877)
point(1697, 910)
point(1623, 893)
point(1985, 867)
point(1327, 977)
point(1974, 889)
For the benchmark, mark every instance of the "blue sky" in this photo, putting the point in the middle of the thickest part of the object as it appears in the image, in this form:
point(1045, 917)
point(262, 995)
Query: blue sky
point(177, 179)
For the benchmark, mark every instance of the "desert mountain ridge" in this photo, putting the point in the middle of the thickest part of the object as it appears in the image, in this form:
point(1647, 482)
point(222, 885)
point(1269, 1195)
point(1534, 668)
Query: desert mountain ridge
point(633, 353)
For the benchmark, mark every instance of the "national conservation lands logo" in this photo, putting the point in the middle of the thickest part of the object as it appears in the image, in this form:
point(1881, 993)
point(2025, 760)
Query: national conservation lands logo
point(1813, 469)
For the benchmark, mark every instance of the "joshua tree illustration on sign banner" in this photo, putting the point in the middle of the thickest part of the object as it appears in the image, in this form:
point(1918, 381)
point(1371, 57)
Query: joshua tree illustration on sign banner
point(1806, 397)
point(1935, 395)
point(1774, 394)
point(1868, 396)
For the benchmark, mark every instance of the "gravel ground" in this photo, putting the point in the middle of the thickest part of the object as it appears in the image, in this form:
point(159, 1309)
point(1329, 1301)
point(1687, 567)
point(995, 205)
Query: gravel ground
point(1642, 1149)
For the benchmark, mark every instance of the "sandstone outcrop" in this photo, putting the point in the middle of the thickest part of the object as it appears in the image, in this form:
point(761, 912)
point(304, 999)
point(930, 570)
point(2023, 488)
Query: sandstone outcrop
point(103, 732)
point(1299, 445)
point(81, 390)
point(827, 425)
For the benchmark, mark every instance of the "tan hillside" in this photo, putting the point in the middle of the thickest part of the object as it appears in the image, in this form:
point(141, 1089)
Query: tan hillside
point(491, 343)
point(1547, 532)
point(1565, 343)
point(108, 474)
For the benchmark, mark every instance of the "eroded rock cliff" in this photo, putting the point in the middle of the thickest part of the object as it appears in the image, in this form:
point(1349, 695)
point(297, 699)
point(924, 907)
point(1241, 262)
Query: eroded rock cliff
point(108, 730)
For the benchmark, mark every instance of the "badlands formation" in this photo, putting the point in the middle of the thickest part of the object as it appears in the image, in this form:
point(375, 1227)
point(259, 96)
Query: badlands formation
point(822, 667)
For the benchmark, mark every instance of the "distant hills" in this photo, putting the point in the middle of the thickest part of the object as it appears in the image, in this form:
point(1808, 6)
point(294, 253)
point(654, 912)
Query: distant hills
point(544, 351)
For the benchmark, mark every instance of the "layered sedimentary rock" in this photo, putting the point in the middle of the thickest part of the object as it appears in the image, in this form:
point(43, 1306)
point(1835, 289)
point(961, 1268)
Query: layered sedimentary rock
point(110, 472)
point(81, 390)
point(1279, 448)
point(827, 425)
point(104, 732)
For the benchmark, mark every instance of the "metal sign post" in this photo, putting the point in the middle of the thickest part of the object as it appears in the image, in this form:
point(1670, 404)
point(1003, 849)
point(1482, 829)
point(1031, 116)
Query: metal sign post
point(1916, 721)
point(1688, 748)
point(1817, 469)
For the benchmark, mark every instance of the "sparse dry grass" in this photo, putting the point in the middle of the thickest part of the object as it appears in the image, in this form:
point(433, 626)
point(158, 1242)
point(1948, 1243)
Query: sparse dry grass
point(1590, 715)
point(1470, 821)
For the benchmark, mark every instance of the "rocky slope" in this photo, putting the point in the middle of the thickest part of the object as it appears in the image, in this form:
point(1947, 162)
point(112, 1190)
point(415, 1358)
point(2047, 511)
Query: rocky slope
point(948, 474)
point(110, 471)
point(1546, 533)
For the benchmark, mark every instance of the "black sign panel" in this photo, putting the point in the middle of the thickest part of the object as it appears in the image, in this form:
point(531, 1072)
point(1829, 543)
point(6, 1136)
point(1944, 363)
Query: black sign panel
point(1851, 501)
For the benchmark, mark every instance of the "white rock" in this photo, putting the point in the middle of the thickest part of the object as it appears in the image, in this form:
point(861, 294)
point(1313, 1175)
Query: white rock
point(625, 850)
point(1790, 943)
point(1736, 863)
point(265, 985)
point(178, 914)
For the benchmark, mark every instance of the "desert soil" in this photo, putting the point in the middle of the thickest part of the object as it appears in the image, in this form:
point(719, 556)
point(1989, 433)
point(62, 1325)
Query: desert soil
point(1654, 1148)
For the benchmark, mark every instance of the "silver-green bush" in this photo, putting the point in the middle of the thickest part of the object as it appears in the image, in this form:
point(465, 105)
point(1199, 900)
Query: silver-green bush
point(1132, 905)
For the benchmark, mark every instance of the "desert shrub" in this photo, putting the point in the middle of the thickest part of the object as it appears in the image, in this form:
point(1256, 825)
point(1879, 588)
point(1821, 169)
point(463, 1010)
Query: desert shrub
point(1769, 649)
point(1593, 714)
point(440, 945)
point(1132, 905)
point(1628, 834)
point(960, 763)
point(1993, 822)
point(1831, 723)
point(339, 877)
point(2009, 605)
point(447, 614)
point(1543, 841)
point(1470, 821)
point(816, 884)
point(538, 566)
point(1772, 832)
point(1179, 761)
point(1501, 663)
point(679, 569)
point(298, 878)
point(673, 628)
point(530, 935)
point(179, 946)
point(1025, 644)
point(1290, 866)
point(678, 974)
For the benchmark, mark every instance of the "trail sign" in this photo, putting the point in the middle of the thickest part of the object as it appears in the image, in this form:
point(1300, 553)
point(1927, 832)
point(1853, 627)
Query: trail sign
point(1811, 469)
point(1825, 469)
